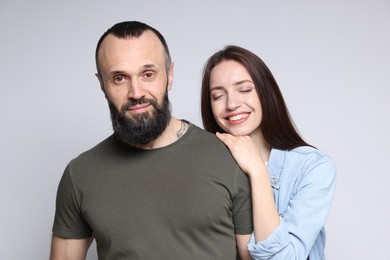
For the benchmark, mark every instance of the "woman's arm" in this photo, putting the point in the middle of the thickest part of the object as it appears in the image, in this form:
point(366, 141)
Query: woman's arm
point(248, 157)
point(291, 235)
point(309, 184)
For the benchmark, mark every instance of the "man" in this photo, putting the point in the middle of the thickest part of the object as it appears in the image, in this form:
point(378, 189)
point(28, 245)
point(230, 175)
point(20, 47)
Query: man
point(159, 187)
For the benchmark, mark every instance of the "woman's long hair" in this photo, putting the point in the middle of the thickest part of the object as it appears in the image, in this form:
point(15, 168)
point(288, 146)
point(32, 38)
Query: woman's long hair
point(276, 125)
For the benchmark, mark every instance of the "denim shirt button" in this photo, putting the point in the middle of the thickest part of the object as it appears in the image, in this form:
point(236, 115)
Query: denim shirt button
point(275, 183)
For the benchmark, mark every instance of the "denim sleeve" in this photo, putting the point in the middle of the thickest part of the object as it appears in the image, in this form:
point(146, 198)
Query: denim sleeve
point(305, 215)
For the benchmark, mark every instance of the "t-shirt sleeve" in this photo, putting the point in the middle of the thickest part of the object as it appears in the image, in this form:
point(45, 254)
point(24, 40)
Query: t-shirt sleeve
point(242, 205)
point(68, 220)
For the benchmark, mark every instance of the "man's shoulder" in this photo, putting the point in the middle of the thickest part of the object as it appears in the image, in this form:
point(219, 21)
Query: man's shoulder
point(98, 150)
point(207, 145)
point(205, 138)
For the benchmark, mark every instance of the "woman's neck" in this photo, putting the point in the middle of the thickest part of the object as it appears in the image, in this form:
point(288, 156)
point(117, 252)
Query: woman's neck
point(263, 146)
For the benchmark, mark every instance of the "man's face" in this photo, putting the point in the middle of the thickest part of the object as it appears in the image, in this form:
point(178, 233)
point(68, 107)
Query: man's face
point(134, 79)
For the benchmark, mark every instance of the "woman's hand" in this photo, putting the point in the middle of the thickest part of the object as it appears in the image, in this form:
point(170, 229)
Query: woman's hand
point(244, 152)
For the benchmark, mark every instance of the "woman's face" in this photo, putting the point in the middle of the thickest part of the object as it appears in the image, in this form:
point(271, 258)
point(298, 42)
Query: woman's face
point(234, 101)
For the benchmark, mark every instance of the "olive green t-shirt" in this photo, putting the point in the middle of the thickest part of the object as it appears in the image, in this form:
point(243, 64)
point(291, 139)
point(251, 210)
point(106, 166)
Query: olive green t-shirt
point(186, 200)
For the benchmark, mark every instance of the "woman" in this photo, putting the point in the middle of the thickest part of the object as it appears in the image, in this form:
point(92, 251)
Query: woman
point(292, 182)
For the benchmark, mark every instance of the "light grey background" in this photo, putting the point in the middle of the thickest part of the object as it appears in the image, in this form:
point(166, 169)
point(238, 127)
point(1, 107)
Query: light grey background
point(330, 58)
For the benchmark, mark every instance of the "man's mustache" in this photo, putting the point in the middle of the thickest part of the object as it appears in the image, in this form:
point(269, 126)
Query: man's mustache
point(134, 102)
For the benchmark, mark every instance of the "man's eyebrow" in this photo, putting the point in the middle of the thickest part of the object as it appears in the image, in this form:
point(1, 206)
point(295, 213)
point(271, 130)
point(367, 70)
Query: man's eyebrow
point(149, 66)
point(146, 66)
point(116, 72)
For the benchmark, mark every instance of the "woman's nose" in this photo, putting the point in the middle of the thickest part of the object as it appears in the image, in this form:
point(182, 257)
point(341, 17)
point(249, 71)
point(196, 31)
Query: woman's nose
point(232, 102)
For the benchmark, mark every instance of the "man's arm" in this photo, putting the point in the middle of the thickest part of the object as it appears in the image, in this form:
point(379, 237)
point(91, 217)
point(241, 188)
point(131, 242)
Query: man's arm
point(69, 249)
point(242, 242)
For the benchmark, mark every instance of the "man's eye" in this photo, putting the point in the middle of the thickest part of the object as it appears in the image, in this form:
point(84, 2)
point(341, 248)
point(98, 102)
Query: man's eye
point(148, 75)
point(118, 78)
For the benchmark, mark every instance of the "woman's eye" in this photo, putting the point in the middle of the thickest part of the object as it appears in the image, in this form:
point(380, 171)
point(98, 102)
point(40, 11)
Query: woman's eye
point(216, 97)
point(246, 90)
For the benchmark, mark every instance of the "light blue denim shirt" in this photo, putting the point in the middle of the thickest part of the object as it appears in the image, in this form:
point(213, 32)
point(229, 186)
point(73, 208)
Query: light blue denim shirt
point(303, 182)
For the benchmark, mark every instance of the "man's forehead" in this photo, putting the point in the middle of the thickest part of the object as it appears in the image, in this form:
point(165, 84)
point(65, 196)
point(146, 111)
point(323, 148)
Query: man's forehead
point(148, 40)
point(133, 53)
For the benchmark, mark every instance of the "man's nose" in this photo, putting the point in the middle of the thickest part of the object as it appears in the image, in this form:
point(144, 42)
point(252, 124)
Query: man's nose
point(136, 89)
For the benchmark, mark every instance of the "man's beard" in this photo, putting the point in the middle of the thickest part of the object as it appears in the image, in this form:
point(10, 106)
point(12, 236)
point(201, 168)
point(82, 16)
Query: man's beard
point(140, 129)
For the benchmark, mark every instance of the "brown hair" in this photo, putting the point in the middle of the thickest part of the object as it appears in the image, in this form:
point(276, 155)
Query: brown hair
point(276, 125)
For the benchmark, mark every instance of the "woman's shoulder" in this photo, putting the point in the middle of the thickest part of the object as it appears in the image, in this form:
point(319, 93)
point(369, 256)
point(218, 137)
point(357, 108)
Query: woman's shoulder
point(308, 152)
point(302, 164)
point(310, 158)
point(303, 156)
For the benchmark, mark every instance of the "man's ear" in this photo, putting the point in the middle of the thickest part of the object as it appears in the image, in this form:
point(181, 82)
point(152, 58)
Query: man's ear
point(170, 77)
point(100, 82)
